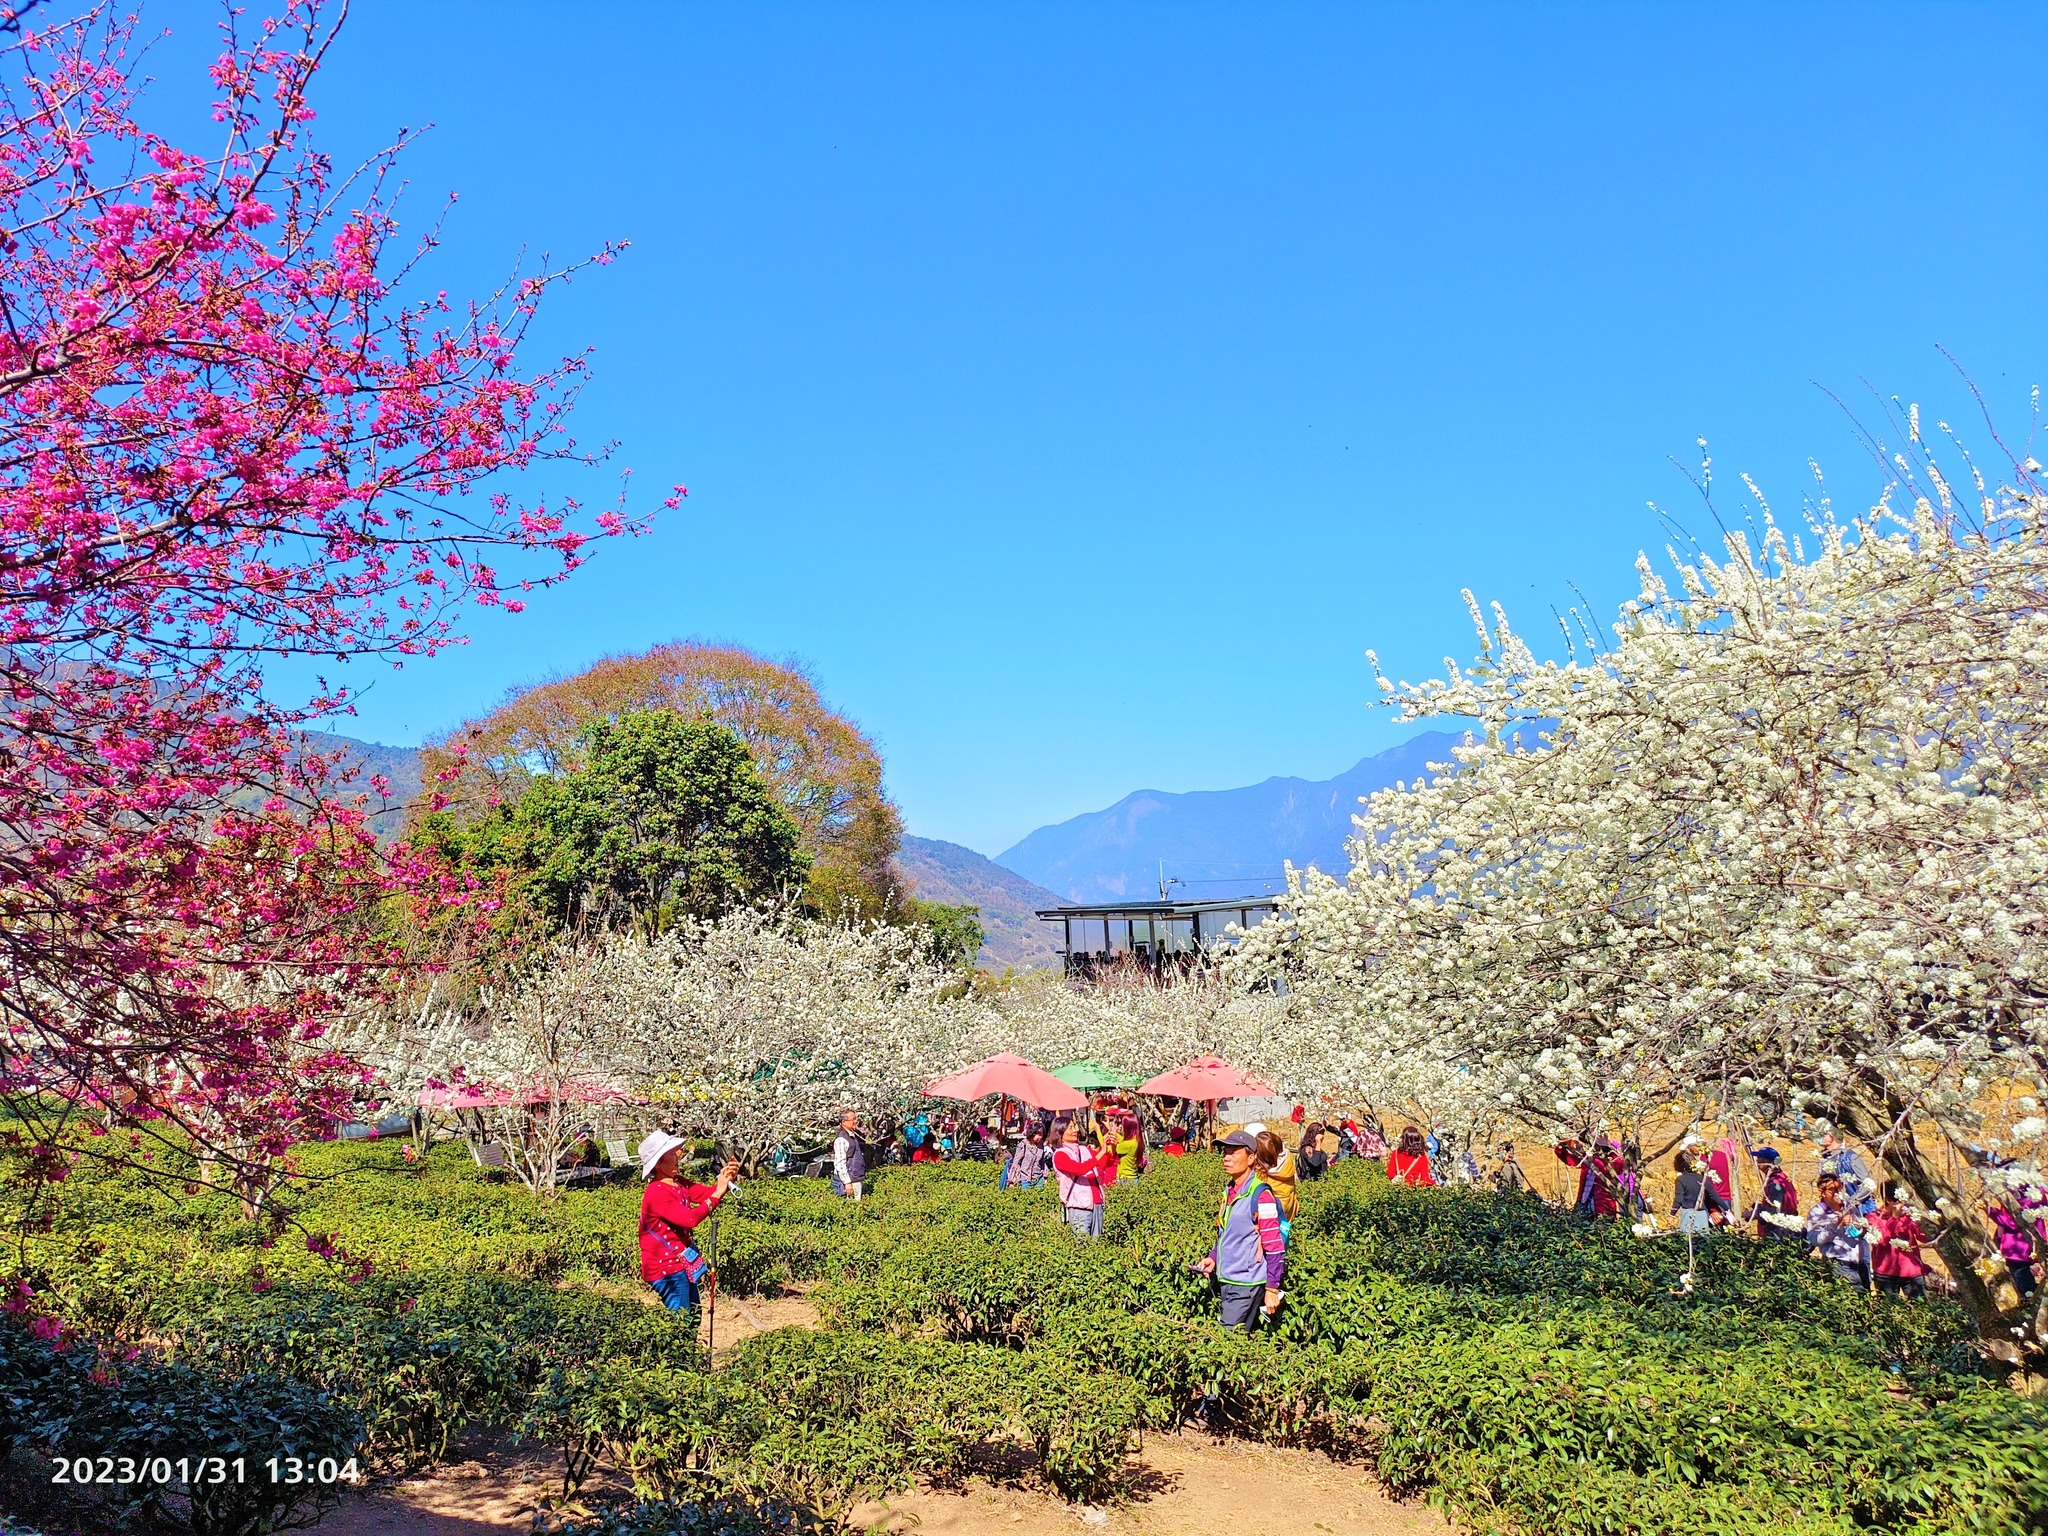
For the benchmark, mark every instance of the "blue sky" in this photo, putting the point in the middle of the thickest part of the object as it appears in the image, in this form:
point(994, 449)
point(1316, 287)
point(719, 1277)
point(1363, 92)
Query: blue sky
point(1081, 390)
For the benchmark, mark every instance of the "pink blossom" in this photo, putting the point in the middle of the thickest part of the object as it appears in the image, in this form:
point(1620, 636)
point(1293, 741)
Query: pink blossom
point(226, 439)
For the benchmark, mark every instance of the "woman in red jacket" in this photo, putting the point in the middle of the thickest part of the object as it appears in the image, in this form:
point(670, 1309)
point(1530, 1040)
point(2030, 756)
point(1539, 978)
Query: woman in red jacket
point(1408, 1163)
point(1610, 1174)
point(671, 1210)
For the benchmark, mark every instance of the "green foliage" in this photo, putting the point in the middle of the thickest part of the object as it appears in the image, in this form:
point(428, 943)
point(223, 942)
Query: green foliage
point(1534, 1371)
point(954, 933)
point(712, 1517)
point(68, 1399)
point(667, 817)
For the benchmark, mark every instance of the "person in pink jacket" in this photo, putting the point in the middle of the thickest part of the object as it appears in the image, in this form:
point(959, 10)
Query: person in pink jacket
point(1895, 1244)
point(1078, 1171)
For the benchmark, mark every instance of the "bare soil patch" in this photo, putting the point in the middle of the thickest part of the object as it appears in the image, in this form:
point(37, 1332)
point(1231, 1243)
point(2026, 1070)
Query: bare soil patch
point(496, 1491)
point(744, 1317)
point(1183, 1485)
point(1187, 1484)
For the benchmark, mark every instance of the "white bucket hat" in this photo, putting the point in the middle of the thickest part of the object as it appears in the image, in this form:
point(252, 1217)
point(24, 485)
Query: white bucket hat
point(654, 1146)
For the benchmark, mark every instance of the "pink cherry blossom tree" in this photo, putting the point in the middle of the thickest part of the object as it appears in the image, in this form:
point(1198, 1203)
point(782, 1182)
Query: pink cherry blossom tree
point(229, 434)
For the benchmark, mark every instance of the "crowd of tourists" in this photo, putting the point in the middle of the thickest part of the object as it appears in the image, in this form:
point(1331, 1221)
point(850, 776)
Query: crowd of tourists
point(1869, 1233)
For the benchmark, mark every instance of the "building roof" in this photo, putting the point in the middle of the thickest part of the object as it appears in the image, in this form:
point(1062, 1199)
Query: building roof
point(1159, 908)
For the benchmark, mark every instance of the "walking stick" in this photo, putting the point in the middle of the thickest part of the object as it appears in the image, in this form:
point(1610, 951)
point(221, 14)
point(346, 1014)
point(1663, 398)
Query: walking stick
point(711, 1306)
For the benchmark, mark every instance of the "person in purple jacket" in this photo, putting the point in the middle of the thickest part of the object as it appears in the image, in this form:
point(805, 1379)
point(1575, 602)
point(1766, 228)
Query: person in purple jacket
point(2016, 1245)
point(1249, 1259)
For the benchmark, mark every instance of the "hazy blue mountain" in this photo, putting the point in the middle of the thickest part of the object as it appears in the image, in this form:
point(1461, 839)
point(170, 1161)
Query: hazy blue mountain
point(947, 872)
point(1220, 842)
point(365, 760)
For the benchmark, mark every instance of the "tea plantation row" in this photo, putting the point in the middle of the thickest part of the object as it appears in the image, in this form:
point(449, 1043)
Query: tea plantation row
point(1533, 1373)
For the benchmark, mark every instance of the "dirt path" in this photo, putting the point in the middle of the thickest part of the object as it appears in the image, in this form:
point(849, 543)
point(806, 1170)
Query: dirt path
point(744, 1317)
point(496, 1493)
point(1185, 1485)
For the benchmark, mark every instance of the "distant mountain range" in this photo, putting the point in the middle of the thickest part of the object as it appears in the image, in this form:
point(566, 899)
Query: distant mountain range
point(1211, 842)
point(1215, 842)
point(367, 759)
point(955, 875)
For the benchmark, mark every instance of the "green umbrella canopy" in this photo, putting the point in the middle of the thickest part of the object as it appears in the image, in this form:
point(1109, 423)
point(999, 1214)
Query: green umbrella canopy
point(1091, 1075)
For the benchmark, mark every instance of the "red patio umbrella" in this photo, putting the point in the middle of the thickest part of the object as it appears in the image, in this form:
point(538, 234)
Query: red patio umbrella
point(1207, 1078)
point(1012, 1075)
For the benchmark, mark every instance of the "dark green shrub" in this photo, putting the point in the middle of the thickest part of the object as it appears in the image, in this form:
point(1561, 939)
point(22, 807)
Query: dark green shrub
point(261, 1452)
point(714, 1517)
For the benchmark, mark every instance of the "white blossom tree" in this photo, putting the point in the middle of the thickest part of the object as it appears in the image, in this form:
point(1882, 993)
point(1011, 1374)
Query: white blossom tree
point(1131, 1021)
point(1776, 851)
point(760, 1028)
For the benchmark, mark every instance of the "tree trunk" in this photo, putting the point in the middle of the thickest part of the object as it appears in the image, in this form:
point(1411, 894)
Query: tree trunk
point(1964, 1241)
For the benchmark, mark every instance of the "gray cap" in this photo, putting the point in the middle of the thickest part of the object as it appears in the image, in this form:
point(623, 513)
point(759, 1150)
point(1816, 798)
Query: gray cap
point(1243, 1139)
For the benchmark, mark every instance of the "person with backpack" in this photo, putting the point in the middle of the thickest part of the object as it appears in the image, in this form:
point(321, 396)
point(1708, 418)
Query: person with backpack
point(1248, 1260)
point(1844, 1162)
point(1408, 1163)
point(1277, 1167)
point(1837, 1233)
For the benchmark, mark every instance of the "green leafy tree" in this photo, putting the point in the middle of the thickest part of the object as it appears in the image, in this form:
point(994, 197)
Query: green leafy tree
point(953, 934)
point(666, 816)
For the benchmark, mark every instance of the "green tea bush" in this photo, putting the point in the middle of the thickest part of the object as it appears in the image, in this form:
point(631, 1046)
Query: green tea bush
point(1535, 1372)
point(68, 1400)
point(825, 1419)
point(713, 1517)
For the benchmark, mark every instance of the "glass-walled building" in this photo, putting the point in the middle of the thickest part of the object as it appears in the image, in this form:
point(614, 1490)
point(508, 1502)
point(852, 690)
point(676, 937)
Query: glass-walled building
point(1152, 933)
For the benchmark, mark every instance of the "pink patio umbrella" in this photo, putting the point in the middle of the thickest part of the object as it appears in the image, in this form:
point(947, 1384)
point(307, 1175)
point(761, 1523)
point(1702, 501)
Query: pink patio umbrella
point(1011, 1075)
point(1208, 1078)
point(465, 1096)
point(572, 1090)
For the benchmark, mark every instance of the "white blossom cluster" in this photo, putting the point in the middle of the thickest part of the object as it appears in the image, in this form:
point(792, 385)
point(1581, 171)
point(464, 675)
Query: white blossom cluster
point(759, 1029)
point(1778, 852)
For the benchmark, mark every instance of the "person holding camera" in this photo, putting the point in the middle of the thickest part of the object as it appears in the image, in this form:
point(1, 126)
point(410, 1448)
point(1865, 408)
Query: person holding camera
point(1838, 1234)
point(1078, 1171)
point(670, 1212)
